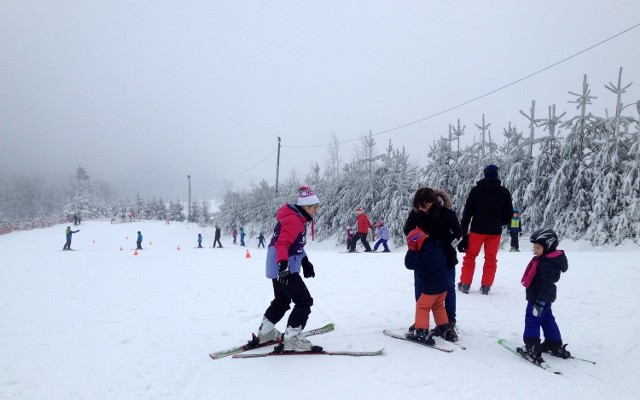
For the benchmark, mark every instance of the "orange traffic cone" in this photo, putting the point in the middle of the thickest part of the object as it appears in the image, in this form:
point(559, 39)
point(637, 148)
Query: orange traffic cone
point(178, 247)
point(248, 255)
point(135, 253)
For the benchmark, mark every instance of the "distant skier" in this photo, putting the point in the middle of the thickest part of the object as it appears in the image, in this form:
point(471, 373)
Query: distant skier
point(199, 240)
point(69, 233)
point(216, 238)
point(515, 230)
point(349, 237)
point(540, 277)
point(383, 233)
point(234, 234)
point(242, 235)
point(261, 240)
point(139, 241)
point(363, 229)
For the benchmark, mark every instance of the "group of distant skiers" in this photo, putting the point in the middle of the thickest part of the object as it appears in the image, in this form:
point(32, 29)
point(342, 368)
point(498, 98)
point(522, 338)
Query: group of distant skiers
point(234, 234)
point(363, 225)
point(433, 233)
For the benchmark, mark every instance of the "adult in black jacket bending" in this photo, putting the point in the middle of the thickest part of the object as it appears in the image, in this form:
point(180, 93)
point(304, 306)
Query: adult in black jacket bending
point(488, 208)
point(432, 213)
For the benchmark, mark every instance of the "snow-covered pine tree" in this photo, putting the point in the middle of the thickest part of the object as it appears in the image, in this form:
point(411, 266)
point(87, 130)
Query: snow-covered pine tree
point(570, 189)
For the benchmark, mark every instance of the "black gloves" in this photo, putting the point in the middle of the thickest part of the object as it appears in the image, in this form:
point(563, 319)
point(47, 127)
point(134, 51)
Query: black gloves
point(307, 268)
point(464, 242)
point(538, 307)
point(283, 272)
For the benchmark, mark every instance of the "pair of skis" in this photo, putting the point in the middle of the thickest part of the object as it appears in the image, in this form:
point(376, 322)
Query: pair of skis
point(545, 366)
point(238, 352)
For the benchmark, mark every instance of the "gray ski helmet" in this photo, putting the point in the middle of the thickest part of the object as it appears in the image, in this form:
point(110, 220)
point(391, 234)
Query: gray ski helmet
point(547, 238)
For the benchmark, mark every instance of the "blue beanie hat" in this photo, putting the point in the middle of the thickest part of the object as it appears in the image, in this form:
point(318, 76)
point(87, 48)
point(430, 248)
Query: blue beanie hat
point(491, 171)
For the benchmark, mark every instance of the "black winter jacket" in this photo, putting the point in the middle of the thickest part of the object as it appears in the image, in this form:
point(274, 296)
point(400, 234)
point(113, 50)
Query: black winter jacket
point(444, 228)
point(543, 285)
point(488, 208)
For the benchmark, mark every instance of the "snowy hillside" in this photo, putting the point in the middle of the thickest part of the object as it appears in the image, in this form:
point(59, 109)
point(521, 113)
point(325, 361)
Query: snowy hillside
point(103, 323)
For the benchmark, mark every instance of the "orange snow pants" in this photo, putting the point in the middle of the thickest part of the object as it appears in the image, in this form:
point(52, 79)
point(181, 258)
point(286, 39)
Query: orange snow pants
point(431, 302)
point(491, 244)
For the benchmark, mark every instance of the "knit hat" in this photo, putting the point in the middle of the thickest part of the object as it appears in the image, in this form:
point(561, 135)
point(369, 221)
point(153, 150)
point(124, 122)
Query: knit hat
point(491, 171)
point(415, 238)
point(516, 211)
point(358, 209)
point(379, 224)
point(307, 197)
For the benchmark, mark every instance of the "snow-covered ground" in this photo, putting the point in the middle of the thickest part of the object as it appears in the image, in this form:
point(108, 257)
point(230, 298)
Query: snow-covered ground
point(101, 323)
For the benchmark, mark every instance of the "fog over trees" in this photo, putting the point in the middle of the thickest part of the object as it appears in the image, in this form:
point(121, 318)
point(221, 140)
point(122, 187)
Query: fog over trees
point(578, 174)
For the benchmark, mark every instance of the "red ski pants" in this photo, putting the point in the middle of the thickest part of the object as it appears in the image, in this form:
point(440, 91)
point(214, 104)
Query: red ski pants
point(491, 244)
point(431, 302)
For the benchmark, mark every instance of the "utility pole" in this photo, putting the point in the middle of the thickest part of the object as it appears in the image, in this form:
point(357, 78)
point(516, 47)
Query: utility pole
point(189, 215)
point(278, 166)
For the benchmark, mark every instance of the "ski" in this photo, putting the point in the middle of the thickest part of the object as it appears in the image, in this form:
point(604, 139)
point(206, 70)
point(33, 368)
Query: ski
point(402, 337)
point(583, 359)
point(253, 343)
point(312, 352)
point(544, 365)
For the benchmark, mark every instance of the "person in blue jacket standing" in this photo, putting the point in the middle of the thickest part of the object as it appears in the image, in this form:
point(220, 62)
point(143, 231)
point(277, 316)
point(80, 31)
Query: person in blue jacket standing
point(139, 241)
point(69, 233)
point(242, 235)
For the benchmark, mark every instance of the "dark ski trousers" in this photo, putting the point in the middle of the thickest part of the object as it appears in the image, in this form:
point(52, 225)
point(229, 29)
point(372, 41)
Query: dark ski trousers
point(449, 301)
point(217, 240)
point(139, 245)
point(295, 290)
point(382, 242)
point(363, 239)
point(515, 243)
point(67, 246)
point(545, 320)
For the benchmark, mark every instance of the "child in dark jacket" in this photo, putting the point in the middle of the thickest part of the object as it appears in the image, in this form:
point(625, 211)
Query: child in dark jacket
point(540, 277)
point(426, 257)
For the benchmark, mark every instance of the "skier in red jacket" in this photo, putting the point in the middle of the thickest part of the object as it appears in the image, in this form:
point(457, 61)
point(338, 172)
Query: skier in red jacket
point(363, 229)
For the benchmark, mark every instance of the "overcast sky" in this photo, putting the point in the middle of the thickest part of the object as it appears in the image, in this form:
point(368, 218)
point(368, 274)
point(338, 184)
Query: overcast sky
point(143, 93)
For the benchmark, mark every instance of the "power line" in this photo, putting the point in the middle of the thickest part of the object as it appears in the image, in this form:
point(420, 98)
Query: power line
point(246, 170)
point(481, 96)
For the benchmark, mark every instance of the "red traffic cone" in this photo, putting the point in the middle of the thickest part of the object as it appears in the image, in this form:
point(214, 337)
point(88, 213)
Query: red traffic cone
point(135, 253)
point(248, 255)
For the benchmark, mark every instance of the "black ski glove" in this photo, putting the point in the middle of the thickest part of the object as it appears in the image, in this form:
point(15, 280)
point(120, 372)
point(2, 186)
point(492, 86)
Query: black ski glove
point(283, 272)
point(538, 307)
point(307, 268)
point(464, 242)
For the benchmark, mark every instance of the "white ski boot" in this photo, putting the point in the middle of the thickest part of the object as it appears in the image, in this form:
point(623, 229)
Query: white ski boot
point(268, 332)
point(294, 341)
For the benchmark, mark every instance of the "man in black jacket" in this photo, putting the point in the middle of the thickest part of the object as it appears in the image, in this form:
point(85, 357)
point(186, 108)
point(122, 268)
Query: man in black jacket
point(488, 208)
